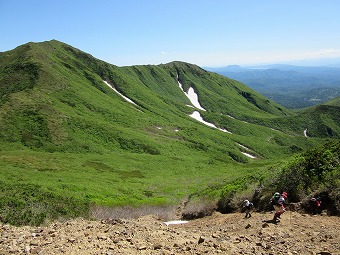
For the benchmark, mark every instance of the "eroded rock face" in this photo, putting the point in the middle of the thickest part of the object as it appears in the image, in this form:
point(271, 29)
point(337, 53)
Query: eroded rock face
point(216, 234)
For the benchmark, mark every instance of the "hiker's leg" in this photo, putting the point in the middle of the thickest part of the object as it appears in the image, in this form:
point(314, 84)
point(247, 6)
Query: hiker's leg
point(282, 209)
point(275, 217)
point(277, 212)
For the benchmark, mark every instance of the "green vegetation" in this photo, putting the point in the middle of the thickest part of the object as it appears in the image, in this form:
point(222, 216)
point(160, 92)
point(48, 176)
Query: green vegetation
point(315, 169)
point(312, 172)
point(22, 204)
point(67, 138)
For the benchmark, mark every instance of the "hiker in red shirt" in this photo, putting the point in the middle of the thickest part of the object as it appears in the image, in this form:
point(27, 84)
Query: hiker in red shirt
point(279, 205)
point(316, 204)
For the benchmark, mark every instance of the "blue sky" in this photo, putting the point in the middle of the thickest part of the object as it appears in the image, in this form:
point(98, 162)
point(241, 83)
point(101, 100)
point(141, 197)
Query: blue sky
point(206, 33)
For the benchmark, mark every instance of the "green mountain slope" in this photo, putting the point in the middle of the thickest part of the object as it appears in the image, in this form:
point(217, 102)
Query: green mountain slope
point(335, 102)
point(68, 127)
point(59, 98)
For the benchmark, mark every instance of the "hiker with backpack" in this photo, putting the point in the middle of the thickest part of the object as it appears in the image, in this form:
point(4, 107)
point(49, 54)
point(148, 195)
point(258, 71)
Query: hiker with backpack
point(248, 206)
point(278, 201)
point(316, 204)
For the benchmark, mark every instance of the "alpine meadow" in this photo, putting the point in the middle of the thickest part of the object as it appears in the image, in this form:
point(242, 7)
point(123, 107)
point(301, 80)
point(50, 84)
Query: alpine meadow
point(78, 134)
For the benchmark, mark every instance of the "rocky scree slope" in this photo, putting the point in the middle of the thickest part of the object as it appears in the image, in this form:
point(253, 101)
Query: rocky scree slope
point(216, 234)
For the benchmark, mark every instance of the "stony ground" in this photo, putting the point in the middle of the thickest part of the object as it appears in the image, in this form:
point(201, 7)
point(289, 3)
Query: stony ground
point(216, 234)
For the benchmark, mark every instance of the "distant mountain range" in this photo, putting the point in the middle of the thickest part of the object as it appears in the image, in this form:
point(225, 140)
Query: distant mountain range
point(289, 85)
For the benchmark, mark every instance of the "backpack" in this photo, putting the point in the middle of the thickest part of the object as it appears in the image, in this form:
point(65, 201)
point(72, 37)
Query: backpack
point(316, 202)
point(275, 198)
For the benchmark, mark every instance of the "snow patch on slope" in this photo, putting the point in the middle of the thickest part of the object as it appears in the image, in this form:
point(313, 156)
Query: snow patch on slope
point(192, 96)
point(245, 153)
point(197, 116)
point(174, 222)
point(248, 155)
point(126, 98)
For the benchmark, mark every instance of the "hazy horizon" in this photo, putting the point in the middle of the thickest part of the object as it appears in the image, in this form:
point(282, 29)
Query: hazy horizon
point(316, 62)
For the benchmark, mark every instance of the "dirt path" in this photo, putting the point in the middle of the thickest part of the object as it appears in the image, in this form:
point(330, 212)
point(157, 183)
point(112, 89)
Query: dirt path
point(216, 234)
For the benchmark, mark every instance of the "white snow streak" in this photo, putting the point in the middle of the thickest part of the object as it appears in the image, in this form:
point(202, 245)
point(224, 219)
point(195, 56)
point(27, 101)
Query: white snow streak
point(244, 147)
point(197, 116)
point(245, 153)
point(126, 98)
point(248, 155)
point(175, 222)
point(192, 96)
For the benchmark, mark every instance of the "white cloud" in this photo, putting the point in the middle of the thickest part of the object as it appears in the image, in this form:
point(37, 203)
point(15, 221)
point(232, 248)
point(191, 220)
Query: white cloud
point(330, 51)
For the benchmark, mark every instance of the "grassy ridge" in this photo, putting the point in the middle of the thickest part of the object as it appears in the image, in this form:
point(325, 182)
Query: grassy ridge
point(67, 133)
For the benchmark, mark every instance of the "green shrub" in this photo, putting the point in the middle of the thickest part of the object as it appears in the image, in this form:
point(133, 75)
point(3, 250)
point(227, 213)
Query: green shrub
point(311, 173)
point(227, 202)
point(26, 204)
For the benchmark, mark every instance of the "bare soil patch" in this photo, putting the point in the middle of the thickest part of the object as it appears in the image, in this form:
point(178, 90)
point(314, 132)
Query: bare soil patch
point(217, 234)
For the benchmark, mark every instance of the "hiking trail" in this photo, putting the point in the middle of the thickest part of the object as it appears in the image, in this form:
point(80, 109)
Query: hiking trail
point(216, 234)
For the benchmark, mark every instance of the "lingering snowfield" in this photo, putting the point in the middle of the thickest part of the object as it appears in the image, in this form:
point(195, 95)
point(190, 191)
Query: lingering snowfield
point(126, 98)
point(192, 96)
point(197, 116)
point(248, 155)
point(175, 222)
point(245, 153)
